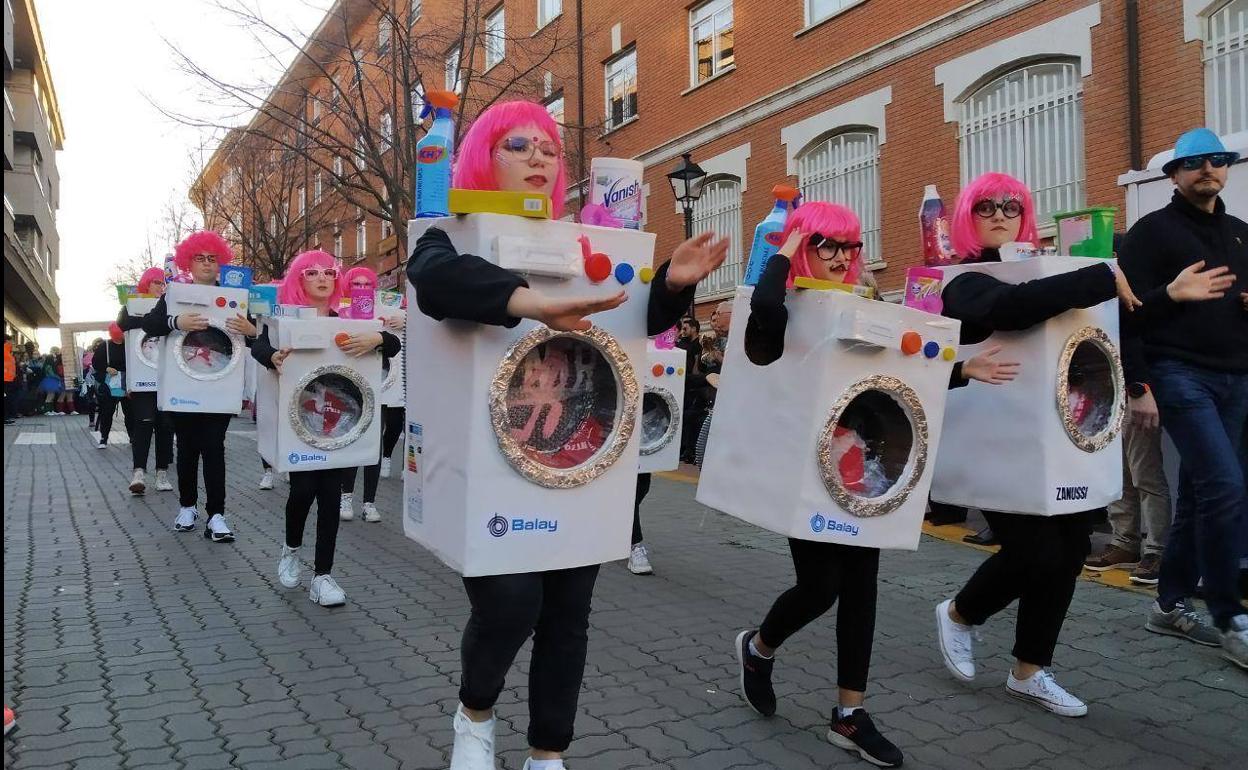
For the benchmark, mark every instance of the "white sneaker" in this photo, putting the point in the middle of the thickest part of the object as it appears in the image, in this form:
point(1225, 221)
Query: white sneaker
point(186, 519)
point(286, 476)
point(385, 467)
point(1235, 641)
point(639, 561)
point(288, 567)
point(474, 743)
point(162, 481)
point(217, 530)
point(345, 511)
point(137, 483)
point(957, 646)
point(1042, 690)
point(371, 514)
point(326, 592)
point(101, 445)
point(266, 481)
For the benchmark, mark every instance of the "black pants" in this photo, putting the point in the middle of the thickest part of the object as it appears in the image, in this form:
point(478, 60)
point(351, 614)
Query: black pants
point(143, 420)
point(554, 607)
point(108, 407)
point(201, 436)
point(323, 488)
point(643, 489)
point(391, 429)
point(1039, 561)
point(827, 572)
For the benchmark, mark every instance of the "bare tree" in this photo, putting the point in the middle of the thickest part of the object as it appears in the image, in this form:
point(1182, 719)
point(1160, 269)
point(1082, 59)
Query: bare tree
point(175, 220)
point(348, 106)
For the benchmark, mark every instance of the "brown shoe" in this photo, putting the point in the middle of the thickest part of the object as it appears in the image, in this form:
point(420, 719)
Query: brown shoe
point(1148, 572)
point(1112, 557)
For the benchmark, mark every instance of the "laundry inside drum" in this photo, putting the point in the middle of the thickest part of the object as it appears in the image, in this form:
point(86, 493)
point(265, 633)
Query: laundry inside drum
point(871, 444)
point(149, 350)
point(1091, 394)
point(207, 351)
point(331, 406)
point(562, 402)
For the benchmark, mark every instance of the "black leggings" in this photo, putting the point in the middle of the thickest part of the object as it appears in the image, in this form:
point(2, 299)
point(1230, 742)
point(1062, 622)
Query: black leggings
point(1039, 561)
point(391, 429)
point(643, 489)
point(323, 488)
point(142, 420)
point(201, 435)
point(108, 407)
point(554, 607)
point(826, 572)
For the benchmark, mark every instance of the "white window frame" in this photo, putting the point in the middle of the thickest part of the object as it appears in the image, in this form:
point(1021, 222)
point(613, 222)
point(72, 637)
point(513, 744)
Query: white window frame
point(495, 35)
point(414, 12)
point(361, 238)
point(338, 166)
point(317, 187)
point(385, 31)
point(316, 109)
point(1225, 55)
point(1028, 122)
point(548, 11)
point(338, 242)
point(387, 229)
point(556, 115)
point(834, 8)
point(843, 166)
point(272, 224)
point(718, 210)
point(357, 66)
point(452, 71)
point(301, 193)
point(714, 12)
point(387, 130)
point(617, 68)
point(360, 161)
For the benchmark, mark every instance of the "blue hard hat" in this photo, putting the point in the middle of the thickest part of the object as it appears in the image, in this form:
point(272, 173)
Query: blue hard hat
point(1198, 141)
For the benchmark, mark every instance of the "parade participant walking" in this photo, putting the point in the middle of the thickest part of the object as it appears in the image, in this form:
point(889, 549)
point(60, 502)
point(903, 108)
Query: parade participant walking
point(1040, 556)
point(108, 365)
point(516, 146)
point(313, 280)
point(1187, 360)
point(200, 435)
point(143, 419)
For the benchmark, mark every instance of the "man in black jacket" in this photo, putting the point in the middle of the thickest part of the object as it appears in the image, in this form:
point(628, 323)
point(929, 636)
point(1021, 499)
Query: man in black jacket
point(1186, 359)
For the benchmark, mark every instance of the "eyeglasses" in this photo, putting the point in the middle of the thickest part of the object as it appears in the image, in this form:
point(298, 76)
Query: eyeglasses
point(522, 149)
point(1217, 160)
point(1010, 209)
point(317, 272)
point(850, 249)
point(205, 259)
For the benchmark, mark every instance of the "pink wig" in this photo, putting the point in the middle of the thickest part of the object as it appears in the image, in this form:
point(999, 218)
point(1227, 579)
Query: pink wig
point(474, 160)
point(990, 186)
point(290, 291)
point(359, 272)
point(831, 220)
point(202, 242)
point(149, 275)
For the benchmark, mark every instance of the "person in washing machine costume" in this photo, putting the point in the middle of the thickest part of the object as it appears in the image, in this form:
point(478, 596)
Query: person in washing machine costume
point(200, 434)
point(516, 146)
point(313, 279)
point(144, 419)
point(1040, 556)
point(823, 241)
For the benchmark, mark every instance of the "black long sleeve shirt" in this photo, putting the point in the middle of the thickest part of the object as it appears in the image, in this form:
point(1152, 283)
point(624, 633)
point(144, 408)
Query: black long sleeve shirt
point(107, 354)
point(466, 287)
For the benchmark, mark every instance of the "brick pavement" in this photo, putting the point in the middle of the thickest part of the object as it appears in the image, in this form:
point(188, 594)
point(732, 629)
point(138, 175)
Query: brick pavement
point(128, 646)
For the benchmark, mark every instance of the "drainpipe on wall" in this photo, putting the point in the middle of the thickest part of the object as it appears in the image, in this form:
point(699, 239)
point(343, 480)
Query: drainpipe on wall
point(580, 101)
point(1133, 84)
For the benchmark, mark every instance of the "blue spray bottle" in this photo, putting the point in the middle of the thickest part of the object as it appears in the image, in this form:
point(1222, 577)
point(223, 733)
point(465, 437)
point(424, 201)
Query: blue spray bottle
point(767, 234)
point(433, 156)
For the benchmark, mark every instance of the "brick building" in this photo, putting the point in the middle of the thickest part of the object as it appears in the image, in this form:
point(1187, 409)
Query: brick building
point(866, 101)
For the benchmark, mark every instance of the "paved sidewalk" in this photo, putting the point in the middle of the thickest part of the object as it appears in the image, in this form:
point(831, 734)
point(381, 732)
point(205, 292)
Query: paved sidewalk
point(127, 645)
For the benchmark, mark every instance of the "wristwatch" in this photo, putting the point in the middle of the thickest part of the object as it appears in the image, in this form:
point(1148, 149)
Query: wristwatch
point(1137, 389)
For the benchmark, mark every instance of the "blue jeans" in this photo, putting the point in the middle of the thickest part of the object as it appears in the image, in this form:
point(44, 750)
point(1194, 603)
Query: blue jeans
point(1204, 412)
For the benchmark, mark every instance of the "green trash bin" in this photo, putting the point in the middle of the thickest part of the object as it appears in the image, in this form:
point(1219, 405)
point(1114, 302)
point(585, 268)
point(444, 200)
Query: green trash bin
point(1087, 232)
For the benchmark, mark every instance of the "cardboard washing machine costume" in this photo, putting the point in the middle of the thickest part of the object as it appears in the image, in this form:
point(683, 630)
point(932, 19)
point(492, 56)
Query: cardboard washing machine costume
point(202, 371)
point(663, 393)
point(142, 350)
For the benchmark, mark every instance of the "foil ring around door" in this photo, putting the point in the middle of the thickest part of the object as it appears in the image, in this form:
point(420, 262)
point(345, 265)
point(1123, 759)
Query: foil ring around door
point(238, 349)
point(673, 426)
point(1097, 441)
point(367, 408)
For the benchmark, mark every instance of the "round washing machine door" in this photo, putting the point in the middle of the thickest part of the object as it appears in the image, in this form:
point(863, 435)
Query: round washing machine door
point(149, 350)
point(1090, 389)
point(873, 447)
point(331, 407)
point(660, 419)
point(563, 405)
point(208, 354)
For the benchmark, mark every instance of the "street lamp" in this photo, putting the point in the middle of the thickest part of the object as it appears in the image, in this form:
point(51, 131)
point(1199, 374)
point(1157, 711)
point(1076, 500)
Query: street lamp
point(686, 180)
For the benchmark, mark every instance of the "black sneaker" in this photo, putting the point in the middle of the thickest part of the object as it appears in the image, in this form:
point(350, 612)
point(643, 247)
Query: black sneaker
point(857, 732)
point(755, 676)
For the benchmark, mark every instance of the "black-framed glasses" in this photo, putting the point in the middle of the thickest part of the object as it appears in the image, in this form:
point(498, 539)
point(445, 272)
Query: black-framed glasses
point(850, 249)
point(205, 259)
point(522, 148)
point(1216, 159)
point(1010, 209)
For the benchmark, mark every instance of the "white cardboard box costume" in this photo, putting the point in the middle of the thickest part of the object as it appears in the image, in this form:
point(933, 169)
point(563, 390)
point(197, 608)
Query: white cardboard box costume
point(392, 391)
point(834, 441)
point(142, 351)
point(1047, 443)
point(323, 411)
point(202, 371)
point(662, 402)
point(522, 445)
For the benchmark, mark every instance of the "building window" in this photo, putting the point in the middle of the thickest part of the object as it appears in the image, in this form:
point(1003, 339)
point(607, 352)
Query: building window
point(1029, 123)
point(316, 109)
point(495, 38)
point(844, 168)
point(316, 188)
point(555, 108)
point(413, 12)
point(357, 66)
point(338, 243)
point(385, 27)
point(710, 40)
point(621, 78)
point(302, 194)
point(387, 131)
point(719, 211)
point(360, 161)
point(1226, 68)
point(547, 10)
point(818, 10)
point(338, 166)
point(361, 239)
point(387, 229)
point(272, 224)
point(453, 76)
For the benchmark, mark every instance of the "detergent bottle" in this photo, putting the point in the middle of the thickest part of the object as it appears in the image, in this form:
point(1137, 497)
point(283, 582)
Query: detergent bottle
point(433, 156)
point(937, 248)
point(767, 234)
